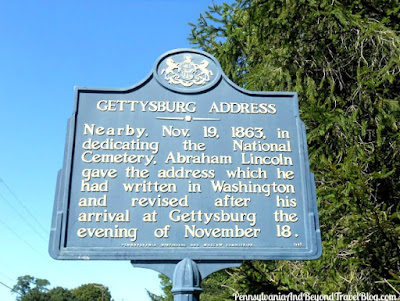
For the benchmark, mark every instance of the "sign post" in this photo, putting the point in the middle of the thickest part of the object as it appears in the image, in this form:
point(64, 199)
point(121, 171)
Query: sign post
point(185, 167)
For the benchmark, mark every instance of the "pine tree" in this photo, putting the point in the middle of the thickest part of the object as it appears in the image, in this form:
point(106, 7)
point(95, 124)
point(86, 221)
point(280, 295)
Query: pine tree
point(343, 58)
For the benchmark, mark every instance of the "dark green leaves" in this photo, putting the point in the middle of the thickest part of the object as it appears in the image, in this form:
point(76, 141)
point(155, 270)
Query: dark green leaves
point(343, 58)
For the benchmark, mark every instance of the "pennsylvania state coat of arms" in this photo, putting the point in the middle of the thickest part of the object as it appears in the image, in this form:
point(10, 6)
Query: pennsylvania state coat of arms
point(187, 73)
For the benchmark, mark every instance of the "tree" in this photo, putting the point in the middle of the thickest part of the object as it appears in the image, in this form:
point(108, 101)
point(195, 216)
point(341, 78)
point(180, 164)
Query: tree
point(36, 295)
point(92, 291)
point(343, 59)
point(29, 288)
point(166, 286)
point(60, 294)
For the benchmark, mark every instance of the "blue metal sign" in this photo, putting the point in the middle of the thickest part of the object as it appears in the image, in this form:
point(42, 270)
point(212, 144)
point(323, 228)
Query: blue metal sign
point(185, 164)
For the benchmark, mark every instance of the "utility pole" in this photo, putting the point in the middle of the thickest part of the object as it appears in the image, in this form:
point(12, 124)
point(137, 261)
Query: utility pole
point(102, 288)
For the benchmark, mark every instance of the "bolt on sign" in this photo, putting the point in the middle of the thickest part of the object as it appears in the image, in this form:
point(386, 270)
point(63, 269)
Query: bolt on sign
point(185, 164)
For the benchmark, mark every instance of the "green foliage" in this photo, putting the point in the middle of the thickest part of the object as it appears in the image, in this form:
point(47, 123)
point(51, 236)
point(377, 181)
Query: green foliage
point(36, 295)
point(343, 58)
point(166, 286)
point(30, 288)
point(93, 291)
point(61, 294)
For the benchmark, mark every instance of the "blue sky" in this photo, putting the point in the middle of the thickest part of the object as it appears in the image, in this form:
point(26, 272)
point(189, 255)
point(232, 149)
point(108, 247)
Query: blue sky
point(47, 48)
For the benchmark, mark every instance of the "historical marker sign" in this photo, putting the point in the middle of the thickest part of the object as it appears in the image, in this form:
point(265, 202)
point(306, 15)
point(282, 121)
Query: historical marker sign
point(185, 164)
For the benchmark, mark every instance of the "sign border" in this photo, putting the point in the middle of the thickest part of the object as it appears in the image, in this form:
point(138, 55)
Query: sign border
point(58, 232)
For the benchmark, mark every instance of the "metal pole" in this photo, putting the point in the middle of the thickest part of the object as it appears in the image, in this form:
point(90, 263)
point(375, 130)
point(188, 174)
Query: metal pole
point(186, 281)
